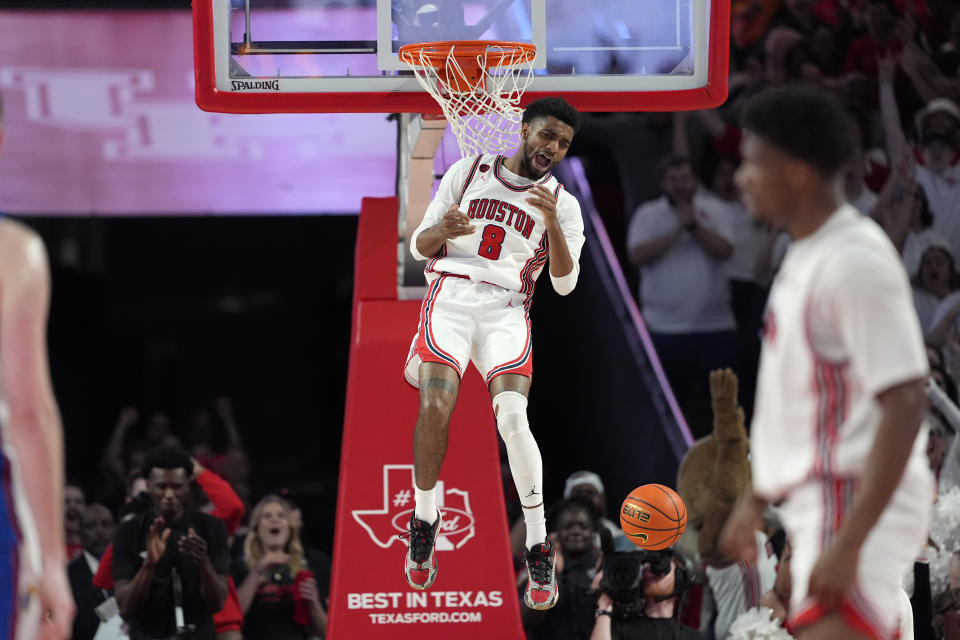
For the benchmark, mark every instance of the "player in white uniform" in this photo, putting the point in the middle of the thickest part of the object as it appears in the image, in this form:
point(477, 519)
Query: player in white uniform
point(35, 599)
point(491, 228)
point(840, 395)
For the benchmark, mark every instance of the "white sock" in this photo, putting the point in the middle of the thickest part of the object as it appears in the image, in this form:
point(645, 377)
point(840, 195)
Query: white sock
point(426, 500)
point(536, 523)
point(526, 464)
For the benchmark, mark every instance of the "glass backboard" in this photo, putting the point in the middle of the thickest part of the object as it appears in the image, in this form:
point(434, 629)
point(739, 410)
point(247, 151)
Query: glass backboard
point(268, 56)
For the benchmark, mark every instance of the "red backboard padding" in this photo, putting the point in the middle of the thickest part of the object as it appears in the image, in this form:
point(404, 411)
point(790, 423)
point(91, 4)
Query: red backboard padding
point(475, 593)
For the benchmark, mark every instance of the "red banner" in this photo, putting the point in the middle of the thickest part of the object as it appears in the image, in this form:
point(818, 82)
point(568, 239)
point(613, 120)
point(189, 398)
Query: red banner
point(475, 593)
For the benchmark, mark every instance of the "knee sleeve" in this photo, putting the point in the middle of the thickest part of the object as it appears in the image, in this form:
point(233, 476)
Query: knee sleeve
point(522, 451)
point(510, 407)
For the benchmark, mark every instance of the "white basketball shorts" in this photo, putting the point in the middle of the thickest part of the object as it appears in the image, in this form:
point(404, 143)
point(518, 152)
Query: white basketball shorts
point(812, 516)
point(462, 320)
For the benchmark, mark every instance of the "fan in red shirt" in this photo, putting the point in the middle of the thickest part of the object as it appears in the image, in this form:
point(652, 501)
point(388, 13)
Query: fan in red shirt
point(880, 40)
point(228, 507)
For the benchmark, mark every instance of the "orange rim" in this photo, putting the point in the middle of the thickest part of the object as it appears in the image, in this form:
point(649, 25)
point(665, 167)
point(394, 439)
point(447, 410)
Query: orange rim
point(469, 53)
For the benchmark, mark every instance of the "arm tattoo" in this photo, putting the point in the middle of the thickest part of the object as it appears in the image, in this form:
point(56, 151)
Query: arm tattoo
point(440, 383)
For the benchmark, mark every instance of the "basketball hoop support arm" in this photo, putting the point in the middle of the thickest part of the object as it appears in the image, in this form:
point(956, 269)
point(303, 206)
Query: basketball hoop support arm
point(419, 139)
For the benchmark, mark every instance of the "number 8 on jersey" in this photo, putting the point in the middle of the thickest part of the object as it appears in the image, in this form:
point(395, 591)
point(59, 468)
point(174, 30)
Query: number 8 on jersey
point(491, 242)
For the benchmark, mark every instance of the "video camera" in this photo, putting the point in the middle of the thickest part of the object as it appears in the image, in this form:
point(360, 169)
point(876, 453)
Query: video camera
point(624, 579)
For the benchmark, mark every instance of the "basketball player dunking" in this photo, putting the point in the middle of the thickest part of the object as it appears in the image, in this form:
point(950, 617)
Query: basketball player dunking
point(840, 396)
point(486, 236)
point(35, 600)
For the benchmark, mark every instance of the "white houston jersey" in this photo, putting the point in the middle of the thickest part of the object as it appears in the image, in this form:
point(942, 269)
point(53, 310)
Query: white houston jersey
point(840, 328)
point(509, 246)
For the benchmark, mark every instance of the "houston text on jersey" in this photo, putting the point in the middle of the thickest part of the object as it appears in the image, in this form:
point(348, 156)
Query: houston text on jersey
point(497, 210)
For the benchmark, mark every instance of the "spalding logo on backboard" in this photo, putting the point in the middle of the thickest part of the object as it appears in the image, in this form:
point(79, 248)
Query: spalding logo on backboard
point(384, 524)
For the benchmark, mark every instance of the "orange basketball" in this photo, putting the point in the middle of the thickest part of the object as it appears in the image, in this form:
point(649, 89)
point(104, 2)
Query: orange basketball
point(653, 516)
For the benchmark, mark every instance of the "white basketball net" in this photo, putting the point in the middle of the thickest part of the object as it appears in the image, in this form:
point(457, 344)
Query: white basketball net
point(485, 116)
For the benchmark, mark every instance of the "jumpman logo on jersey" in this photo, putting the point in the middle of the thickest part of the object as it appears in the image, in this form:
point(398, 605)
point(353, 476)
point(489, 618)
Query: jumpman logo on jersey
point(533, 492)
point(509, 303)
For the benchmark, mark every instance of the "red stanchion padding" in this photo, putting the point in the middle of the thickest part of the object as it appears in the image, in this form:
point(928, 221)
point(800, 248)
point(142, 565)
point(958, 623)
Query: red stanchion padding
point(475, 594)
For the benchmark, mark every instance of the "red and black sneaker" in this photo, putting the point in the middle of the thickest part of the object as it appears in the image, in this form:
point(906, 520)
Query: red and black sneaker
point(420, 563)
point(542, 592)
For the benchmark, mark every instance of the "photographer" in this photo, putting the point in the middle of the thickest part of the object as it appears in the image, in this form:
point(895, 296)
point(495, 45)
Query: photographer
point(170, 556)
point(639, 597)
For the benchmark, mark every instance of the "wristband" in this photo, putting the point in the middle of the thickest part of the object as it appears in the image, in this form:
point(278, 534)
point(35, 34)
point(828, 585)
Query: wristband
point(603, 612)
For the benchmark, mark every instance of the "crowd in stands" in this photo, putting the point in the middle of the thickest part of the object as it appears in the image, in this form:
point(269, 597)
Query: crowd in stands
point(186, 555)
point(705, 264)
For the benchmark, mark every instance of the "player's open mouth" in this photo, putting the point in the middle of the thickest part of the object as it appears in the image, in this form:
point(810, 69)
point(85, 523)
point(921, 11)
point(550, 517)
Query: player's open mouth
point(542, 161)
point(275, 531)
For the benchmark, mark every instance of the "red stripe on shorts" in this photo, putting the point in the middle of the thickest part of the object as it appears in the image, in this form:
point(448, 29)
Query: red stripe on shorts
point(520, 365)
point(427, 347)
point(854, 618)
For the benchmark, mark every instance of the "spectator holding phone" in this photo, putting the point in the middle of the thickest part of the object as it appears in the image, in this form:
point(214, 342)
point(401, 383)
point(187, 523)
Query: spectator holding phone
point(278, 594)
